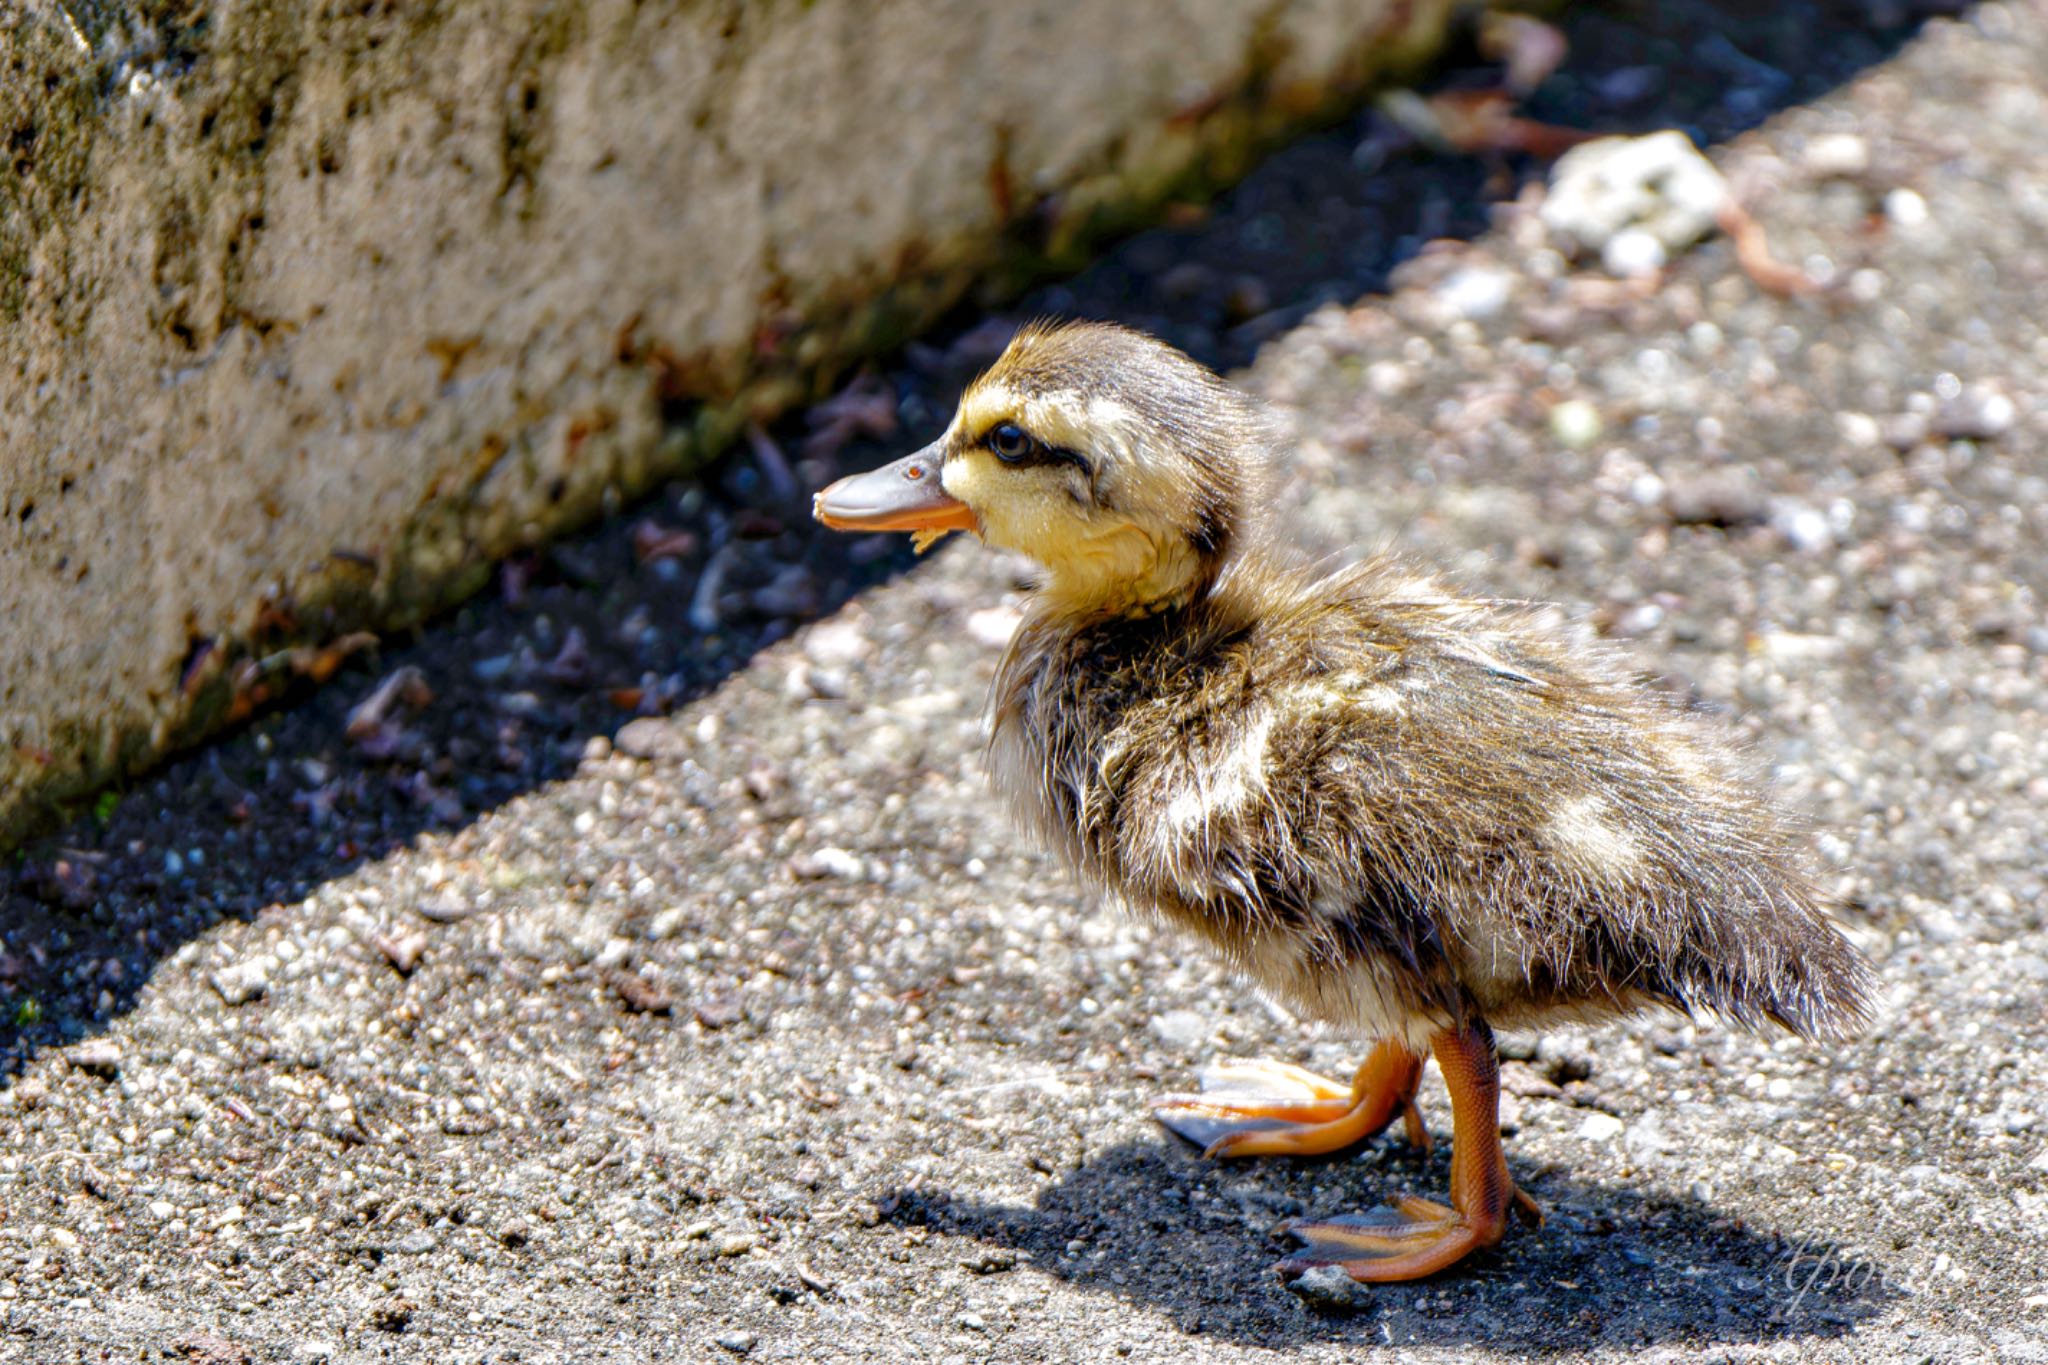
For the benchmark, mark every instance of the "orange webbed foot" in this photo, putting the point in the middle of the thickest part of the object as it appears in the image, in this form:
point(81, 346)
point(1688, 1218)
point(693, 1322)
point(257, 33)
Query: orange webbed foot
point(1416, 1237)
point(1274, 1109)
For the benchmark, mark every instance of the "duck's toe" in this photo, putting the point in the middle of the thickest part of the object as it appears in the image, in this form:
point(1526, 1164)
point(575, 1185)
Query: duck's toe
point(1274, 1109)
point(1403, 1241)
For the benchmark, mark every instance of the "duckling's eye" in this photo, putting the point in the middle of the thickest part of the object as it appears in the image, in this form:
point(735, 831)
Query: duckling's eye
point(1010, 443)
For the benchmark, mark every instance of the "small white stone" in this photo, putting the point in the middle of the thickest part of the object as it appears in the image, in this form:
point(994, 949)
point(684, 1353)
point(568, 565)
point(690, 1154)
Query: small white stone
point(1599, 1127)
point(1476, 293)
point(242, 982)
point(832, 861)
point(1389, 378)
point(1632, 253)
point(1658, 183)
point(1329, 1288)
point(1804, 528)
point(993, 626)
point(1575, 423)
point(836, 644)
point(1905, 208)
point(1183, 1029)
point(1859, 429)
point(1837, 154)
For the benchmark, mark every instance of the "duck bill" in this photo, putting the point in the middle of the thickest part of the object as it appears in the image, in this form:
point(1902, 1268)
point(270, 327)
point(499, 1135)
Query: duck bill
point(904, 496)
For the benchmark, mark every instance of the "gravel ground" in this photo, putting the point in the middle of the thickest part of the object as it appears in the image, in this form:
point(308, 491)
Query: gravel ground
point(614, 974)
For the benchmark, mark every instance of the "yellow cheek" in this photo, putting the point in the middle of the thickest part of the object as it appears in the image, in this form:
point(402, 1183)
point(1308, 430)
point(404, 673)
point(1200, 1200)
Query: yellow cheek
point(1019, 509)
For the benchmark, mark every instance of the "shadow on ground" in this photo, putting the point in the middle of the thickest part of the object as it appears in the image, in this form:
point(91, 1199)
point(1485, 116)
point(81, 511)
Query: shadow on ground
point(1151, 1224)
point(666, 599)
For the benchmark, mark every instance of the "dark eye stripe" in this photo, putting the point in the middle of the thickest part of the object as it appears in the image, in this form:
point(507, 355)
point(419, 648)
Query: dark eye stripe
point(1019, 449)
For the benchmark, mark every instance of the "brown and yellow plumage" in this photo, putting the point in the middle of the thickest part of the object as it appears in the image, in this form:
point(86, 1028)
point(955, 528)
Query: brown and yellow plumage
point(1400, 809)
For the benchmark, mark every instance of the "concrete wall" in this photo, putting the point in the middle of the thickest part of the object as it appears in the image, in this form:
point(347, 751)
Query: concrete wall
point(308, 312)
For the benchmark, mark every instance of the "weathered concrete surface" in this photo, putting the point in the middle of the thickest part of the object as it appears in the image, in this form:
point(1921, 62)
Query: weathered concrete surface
point(308, 313)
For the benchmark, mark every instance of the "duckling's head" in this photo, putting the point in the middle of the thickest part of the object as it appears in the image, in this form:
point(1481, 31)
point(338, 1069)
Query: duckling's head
point(1128, 470)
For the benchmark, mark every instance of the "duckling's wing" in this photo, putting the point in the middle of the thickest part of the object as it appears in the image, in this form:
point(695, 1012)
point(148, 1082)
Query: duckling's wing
point(1582, 841)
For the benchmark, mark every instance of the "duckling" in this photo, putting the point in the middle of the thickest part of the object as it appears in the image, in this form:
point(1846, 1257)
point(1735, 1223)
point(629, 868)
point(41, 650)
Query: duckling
point(1412, 813)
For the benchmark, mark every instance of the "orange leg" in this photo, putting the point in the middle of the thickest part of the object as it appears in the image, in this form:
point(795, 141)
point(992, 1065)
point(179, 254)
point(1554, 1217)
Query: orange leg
point(1417, 1237)
point(1273, 1109)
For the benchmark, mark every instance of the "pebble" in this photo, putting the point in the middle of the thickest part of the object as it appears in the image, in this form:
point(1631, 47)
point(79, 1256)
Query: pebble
point(651, 738)
point(1476, 293)
point(1837, 154)
point(1658, 184)
point(1977, 413)
point(242, 982)
point(1904, 430)
point(1804, 528)
point(991, 1261)
point(1562, 1060)
point(1633, 253)
point(735, 1243)
point(1575, 424)
point(418, 1243)
point(993, 626)
point(100, 1056)
point(1328, 1288)
point(739, 1343)
point(718, 1011)
point(1714, 498)
point(1859, 429)
point(1598, 1127)
point(837, 643)
point(1182, 1029)
point(830, 861)
point(1905, 208)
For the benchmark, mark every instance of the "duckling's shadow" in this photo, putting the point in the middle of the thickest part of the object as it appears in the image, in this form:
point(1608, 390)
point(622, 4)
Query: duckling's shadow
point(1151, 1223)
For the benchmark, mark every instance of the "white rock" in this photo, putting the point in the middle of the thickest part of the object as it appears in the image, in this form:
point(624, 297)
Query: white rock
point(1327, 1287)
point(1600, 1127)
point(832, 861)
point(1859, 429)
point(1837, 154)
point(1905, 208)
point(993, 626)
point(1633, 252)
point(1804, 528)
point(1181, 1028)
point(836, 644)
point(1659, 184)
point(242, 982)
point(1575, 423)
point(1476, 292)
point(1646, 1139)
